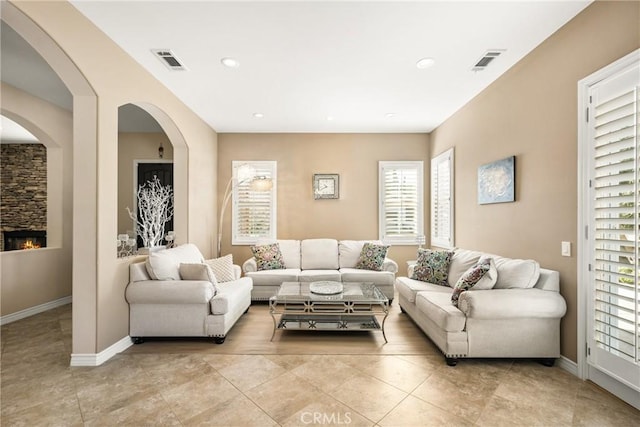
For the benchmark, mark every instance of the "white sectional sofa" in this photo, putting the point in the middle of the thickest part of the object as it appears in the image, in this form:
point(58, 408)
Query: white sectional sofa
point(313, 260)
point(167, 306)
point(518, 318)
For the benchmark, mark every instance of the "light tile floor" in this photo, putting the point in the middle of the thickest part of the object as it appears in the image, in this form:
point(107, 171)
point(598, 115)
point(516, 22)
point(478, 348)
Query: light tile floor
point(39, 388)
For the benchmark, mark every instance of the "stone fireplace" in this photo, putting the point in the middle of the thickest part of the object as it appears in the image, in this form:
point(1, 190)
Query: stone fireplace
point(23, 200)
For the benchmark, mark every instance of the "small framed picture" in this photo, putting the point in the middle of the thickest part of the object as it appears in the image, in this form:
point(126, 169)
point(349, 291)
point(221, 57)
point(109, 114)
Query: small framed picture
point(326, 186)
point(496, 181)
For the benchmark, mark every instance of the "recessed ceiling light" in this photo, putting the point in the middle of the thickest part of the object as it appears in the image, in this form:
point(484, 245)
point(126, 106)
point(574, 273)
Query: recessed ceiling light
point(425, 63)
point(258, 115)
point(390, 115)
point(230, 62)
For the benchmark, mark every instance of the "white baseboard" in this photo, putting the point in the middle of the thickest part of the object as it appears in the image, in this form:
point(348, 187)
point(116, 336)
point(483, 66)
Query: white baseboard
point(568, 365)
point(90, 359)
point(34, 310)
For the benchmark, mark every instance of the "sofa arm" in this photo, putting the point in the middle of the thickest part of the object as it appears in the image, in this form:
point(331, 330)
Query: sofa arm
point(250, 265)
point(237, 272)
point(512, 304)
point(169, 292)
point(390, 265)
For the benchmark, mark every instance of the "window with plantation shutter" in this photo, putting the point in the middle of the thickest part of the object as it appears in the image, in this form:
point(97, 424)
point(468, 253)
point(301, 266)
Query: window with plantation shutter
point(401, 202)
point(611, 209)
point(254, 208)
point(442, 200)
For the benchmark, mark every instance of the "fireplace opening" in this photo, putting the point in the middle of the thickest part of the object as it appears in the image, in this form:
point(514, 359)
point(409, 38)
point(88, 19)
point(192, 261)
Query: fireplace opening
point(24, 239)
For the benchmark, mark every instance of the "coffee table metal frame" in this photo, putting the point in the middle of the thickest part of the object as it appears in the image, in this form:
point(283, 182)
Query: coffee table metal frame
point(357, 308)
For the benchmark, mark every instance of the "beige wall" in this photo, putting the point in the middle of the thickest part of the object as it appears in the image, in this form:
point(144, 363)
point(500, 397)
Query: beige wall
point(113, 78)
point(132, 147)
point(531, 112)
point(24, 286)
point(354, 156)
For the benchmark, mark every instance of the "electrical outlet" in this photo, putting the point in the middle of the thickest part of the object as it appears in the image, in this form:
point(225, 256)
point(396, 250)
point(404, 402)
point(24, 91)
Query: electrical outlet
point(565, 249)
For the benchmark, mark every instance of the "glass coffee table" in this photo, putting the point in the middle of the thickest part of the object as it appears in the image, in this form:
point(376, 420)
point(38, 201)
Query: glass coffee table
point(358, 307)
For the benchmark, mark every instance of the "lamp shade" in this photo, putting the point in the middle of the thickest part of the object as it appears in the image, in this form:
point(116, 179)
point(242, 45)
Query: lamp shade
point(261, 183)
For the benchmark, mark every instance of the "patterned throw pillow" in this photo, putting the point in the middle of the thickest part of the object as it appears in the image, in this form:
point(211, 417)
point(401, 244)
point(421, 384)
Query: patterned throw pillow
point(372, 256)
point(483, 275)
point(222, 268)
point(432, 266)
point(268, 257)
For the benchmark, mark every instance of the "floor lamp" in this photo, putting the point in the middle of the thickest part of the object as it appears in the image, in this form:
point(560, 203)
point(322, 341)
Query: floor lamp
point(245, 174)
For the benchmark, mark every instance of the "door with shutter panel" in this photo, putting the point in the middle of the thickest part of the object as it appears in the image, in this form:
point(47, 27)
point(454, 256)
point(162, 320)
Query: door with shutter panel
point(613, 233)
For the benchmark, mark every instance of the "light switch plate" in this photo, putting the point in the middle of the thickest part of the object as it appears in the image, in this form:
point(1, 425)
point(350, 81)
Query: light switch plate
point(566, 249)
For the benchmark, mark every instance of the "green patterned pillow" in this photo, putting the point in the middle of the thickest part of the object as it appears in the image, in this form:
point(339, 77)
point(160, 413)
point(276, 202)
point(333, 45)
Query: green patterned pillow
point(268, 257)
point(372, 256)
point(432, 266)
point(481, 276)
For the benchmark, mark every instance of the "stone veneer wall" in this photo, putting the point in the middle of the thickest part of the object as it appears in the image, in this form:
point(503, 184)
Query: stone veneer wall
point(23, 188)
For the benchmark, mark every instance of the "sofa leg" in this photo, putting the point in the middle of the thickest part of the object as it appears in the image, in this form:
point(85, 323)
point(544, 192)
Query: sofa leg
point(218, 340)
point(451, 361)
point(247, 310)
point(402, 309)
point(548, 362)
point(137, 340)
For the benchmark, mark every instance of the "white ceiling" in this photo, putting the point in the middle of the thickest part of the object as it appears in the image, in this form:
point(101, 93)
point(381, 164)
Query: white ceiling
point(302, 62)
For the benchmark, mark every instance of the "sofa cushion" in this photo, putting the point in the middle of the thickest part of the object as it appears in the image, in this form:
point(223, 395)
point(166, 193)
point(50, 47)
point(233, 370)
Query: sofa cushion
point(481, 276)
point(408, 288)
point(319, 254)
point(432, 266)
point(349, 251)
point(290, 250)
point(372, 256)
point(317, 275)
point(198, 272)
point(222, 268)
point(273, 277)
point(375, 277)
point(516, 273)
point(165, 264)
point(461, 261)
point(268, 257)
point(437, 307)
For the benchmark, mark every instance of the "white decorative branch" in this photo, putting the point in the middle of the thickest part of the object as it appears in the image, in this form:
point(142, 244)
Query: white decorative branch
point(155, 207)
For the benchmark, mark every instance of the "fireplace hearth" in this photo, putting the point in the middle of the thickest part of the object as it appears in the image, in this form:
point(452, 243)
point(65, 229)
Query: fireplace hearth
point(24, 239)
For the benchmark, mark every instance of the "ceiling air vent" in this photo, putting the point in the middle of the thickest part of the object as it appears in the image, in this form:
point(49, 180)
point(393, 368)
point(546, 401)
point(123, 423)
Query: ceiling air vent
point(169, 59)
point(486, 59)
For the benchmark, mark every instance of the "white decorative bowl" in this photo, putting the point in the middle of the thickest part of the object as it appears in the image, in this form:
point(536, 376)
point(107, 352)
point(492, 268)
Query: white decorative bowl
point(326, 287)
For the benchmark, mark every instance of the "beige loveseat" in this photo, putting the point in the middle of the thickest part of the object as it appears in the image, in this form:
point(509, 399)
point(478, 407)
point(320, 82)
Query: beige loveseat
point(518, 317)
point(167, 306)
point(313, 260)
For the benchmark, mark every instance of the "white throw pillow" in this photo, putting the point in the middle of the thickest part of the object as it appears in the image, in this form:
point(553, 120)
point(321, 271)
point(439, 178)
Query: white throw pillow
point(222, 268)
point(165, 264)
point(516, 273)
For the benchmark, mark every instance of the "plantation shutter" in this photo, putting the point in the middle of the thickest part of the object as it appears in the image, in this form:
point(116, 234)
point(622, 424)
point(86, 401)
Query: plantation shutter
point(254, 212)
point(617, 288)
point(401, 202)
point(442, 200)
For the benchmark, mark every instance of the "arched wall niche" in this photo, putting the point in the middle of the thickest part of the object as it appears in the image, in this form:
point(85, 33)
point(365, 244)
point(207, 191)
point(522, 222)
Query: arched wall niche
point(175, 152)
point(180, 167)
point(84, 195)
